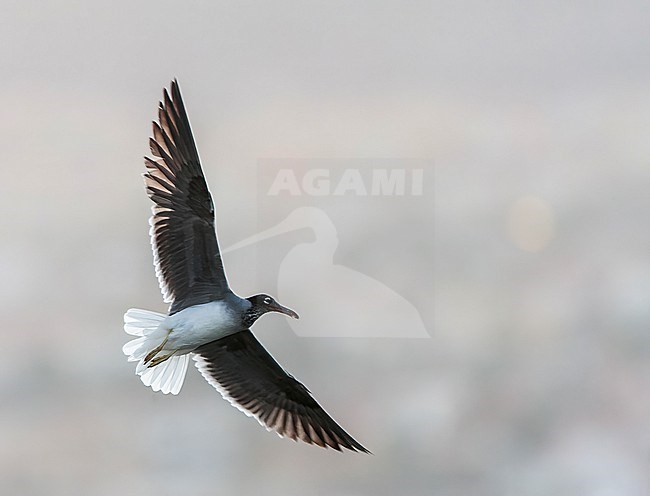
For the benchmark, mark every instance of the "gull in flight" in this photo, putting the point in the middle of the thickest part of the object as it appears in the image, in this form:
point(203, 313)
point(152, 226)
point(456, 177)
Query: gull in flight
point(206, 320)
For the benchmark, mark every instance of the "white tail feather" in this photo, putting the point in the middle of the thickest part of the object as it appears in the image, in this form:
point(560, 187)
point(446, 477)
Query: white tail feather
point(137, 321)
point(167, 376)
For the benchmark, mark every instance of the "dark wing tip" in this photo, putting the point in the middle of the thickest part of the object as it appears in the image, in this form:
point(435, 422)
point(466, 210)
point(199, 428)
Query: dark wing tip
point(311, 426)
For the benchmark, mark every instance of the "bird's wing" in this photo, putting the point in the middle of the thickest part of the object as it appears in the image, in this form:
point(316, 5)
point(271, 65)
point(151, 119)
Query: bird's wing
point(186, 253)
point(248, 377)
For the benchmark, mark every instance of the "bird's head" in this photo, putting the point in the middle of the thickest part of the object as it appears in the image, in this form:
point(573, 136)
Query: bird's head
point(263, 303)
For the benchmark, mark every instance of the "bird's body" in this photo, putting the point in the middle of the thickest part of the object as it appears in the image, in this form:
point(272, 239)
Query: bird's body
point(207, 321)
point(198, 325)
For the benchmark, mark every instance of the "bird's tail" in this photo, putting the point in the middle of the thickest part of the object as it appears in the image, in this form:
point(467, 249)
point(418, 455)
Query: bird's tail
point(167, 375)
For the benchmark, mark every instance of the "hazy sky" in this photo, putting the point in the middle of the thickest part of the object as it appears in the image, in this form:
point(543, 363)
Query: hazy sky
point(527, 258)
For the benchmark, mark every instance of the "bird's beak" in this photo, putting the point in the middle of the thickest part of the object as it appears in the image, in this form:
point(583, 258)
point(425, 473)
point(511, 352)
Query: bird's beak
point(287, 311)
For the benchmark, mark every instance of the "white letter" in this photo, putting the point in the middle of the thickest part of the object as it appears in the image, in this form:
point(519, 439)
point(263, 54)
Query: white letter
point(309, 182)
point(351, 180)
point(384, 183)
point(418, 182)
point(284, 180)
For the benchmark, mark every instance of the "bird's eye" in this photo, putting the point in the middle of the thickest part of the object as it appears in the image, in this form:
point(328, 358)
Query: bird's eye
point(267, 300)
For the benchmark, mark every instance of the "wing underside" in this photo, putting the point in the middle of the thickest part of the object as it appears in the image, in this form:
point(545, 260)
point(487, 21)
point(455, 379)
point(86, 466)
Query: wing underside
point(186, 252)
point(248, 377)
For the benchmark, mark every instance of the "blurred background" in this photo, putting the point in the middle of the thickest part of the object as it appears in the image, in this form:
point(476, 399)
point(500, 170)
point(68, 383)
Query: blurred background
point(536, 118)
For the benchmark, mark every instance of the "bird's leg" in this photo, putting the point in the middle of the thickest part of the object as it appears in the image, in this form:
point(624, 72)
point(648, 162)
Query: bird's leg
point(155, 351)
point(160, 359)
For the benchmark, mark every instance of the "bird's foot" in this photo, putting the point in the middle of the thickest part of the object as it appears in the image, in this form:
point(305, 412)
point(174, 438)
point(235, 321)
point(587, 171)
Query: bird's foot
point(150, 356)
point(160, 359)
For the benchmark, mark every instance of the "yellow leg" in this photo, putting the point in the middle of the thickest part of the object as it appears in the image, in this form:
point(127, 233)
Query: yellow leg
point(161, 359)
point(155, 351)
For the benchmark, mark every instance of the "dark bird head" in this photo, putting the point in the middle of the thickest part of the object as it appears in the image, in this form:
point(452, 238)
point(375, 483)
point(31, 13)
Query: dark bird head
point(263, 303)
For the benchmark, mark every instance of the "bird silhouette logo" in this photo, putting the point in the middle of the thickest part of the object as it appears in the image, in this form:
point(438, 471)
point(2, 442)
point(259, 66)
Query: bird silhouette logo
point(357, 304)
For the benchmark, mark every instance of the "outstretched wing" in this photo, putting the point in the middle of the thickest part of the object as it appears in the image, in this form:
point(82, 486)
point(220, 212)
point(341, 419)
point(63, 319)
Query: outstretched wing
point(186, 253)
point(248, 377)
